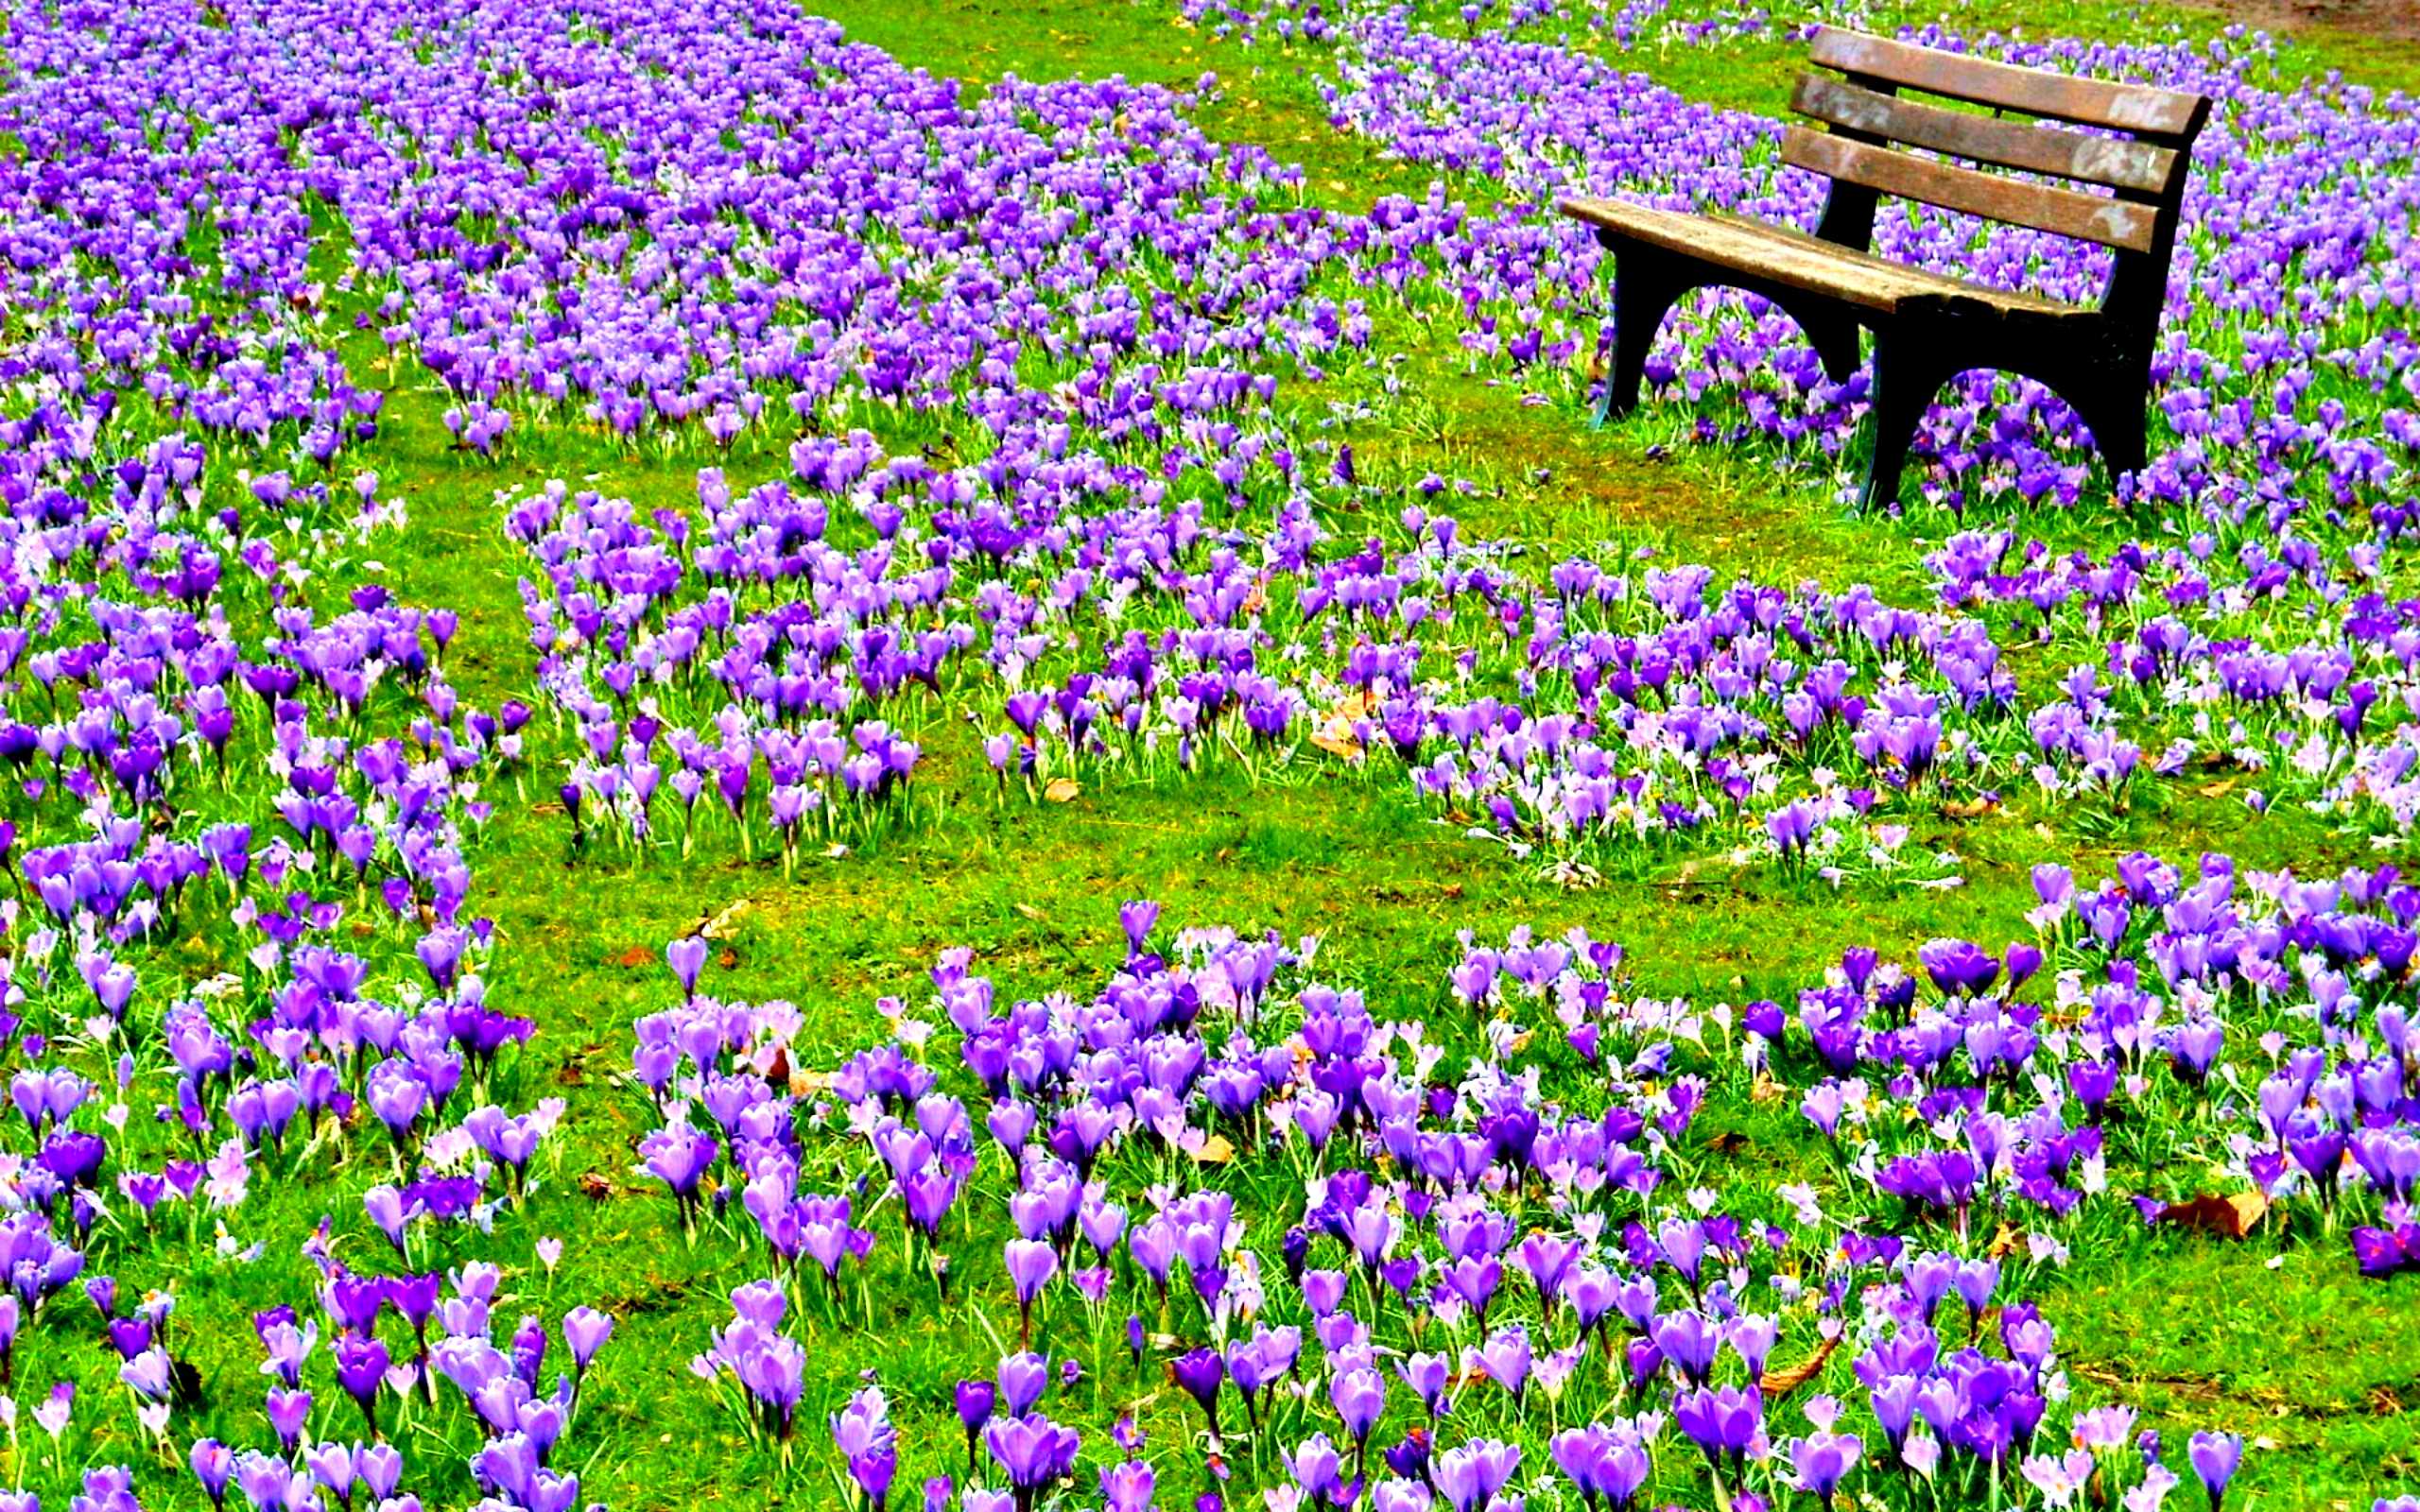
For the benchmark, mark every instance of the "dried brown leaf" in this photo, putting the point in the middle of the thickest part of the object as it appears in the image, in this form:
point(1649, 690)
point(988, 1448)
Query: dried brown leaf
point(1779, 1383)
point(1338, 733)
point(2231, 1216)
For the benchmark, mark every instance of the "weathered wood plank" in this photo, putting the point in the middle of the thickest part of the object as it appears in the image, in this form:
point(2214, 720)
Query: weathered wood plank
point(2120, 223)
point(2035, 91)
point(1798, 261)
point(2119, 162)
point(1921, 279)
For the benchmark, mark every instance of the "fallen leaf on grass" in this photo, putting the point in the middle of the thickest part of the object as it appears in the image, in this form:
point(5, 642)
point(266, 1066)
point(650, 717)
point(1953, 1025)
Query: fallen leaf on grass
point(1216, 1150)
point(2229, 1217)
point(1062, 789)
point(725, 925)
point(574, 1071)
point(1778, 1383)
point(1338, 742)
point(1337, 733)
point(637, 955)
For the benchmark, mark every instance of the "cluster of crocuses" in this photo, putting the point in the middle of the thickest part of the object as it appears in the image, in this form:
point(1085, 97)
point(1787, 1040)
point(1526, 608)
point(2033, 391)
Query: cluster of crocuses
point(644, 645)
point(239, 814)
point(318, 1051)
point(2181, 987)
point(605, 196)
point(1373, 1276)
point(354, 1033)
point(2282, 463)
point(2320, 717)
point(1155, 397)
point(1427, 1265)
point(798, 679)
point(446, 1317)
point(1627, 707)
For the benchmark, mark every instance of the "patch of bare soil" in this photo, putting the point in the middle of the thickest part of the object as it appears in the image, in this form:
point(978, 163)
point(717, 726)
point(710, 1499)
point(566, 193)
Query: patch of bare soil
point(2397, 19)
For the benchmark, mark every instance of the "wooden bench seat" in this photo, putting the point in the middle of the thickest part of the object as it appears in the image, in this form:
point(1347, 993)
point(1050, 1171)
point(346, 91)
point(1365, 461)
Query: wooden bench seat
point(2128, 192)
point(1804, 263)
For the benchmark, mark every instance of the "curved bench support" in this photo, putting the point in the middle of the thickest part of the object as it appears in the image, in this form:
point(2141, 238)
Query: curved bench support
point(1648, 282)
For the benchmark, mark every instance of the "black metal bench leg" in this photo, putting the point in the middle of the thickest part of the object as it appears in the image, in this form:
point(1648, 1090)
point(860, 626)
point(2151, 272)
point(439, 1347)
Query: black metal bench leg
point(1646, 284)
point(1831, 330)
point(2113, 411)
point(1906, 376)
point(1834, 337)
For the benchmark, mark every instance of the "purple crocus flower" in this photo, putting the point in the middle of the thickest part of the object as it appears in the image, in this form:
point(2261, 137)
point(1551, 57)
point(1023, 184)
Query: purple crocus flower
point(1137, 919)
point(1031, 1262)
point(1958, 967)
point(213, 1465)
point(1468, 1475)
point(1200, 1373)
point(1023, 1380)
point(1033, 1452)
point(2215, 1457)
point(585, 1330)
point(975, 1402)
point(361, 1369)
point(679, 1157)
point(687, 957)
point(1822, 1460)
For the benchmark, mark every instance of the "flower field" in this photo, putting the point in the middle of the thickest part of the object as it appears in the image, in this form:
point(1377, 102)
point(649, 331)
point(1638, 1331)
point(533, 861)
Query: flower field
point(879, 756)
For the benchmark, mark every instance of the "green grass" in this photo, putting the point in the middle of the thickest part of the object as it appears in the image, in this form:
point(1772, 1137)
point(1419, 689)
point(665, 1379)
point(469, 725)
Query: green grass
point(1033, 888)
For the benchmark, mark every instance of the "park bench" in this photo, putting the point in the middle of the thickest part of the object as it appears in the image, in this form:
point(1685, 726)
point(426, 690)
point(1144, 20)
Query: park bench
point(1930, 327)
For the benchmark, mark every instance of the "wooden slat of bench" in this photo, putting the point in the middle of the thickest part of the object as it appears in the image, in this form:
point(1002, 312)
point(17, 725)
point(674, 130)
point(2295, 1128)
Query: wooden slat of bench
point(1799, 261)
point(1921, 281)
point(2059, 97)
point(2119, 162)
point(2089, 218)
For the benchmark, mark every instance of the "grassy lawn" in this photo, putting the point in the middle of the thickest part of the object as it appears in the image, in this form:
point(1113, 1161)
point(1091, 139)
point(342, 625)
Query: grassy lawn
point(2323, 1370)
point(2320, 1371)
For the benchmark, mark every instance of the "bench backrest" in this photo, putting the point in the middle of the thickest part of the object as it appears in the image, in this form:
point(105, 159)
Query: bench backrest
point(1869, 123)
